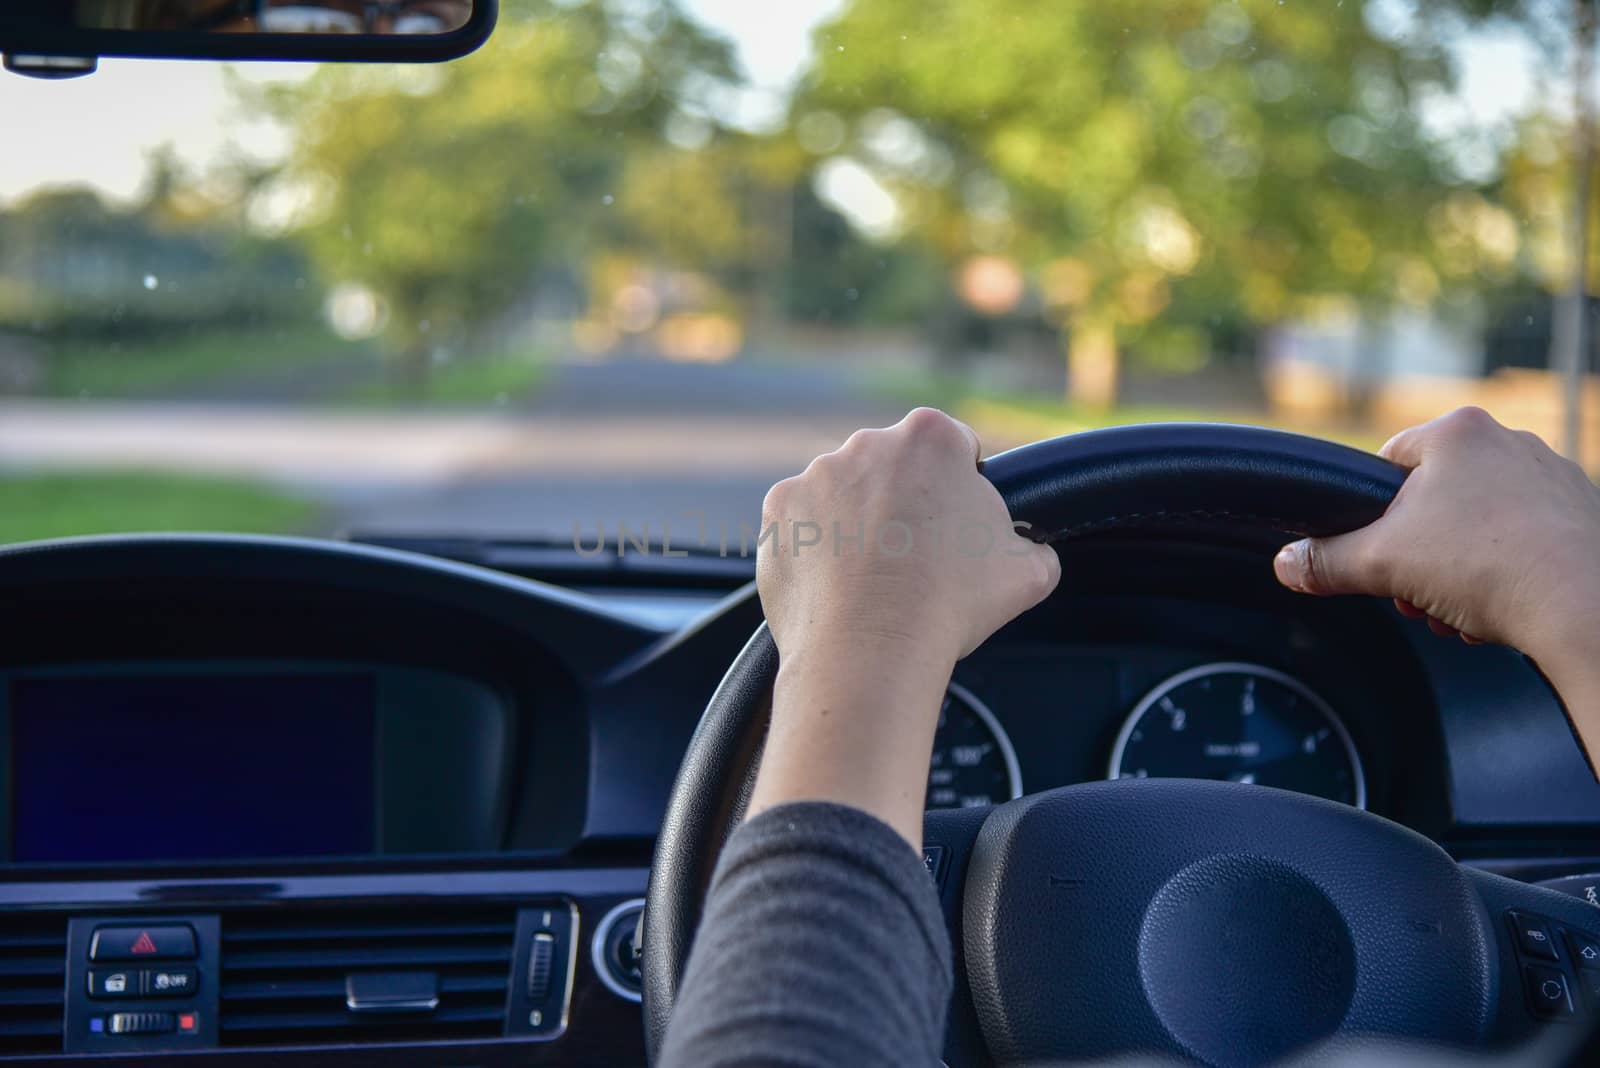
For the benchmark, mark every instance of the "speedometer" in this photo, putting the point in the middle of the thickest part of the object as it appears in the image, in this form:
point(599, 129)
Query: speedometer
point(1245, 723)
point(973, 763)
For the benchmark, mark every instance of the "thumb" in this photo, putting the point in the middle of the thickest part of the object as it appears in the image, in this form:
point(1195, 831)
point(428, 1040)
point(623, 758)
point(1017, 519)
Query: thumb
point(1323, 566)
point(1031, 577)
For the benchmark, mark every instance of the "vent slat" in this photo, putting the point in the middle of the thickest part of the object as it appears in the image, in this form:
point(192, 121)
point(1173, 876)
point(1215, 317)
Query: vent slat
point(44, 1025)
point(284, 972)
point(33, 965)
point(46, 940)
point(260, 1021)
point(47, 966)
point(268, 990)
point(356, 957)
point(240, 935)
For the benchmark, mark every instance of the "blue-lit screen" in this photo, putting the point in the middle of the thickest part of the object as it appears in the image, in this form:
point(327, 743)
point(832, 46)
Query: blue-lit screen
point(191, 768)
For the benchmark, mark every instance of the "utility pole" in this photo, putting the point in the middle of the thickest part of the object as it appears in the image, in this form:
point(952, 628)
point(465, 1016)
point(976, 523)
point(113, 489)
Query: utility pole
point(1570, 339)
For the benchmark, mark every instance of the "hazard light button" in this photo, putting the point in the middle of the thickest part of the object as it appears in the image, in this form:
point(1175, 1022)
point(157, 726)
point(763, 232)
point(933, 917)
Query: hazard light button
point(160, 942)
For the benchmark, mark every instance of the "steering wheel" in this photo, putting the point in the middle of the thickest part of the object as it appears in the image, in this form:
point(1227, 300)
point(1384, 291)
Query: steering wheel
point(1231, 925)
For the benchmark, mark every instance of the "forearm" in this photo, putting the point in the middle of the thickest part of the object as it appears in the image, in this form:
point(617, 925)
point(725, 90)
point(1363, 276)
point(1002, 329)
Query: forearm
point(1560, 636)
point(853, 724)
point(822, 945)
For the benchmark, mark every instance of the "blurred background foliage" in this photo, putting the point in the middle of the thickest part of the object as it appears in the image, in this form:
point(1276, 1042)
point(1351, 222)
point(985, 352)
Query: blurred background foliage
point(1158, 182)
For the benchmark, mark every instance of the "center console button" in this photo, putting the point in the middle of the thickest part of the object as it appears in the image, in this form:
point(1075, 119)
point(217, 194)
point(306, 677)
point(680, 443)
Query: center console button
point(171, 982)
point(161, 942)
point(113, 983)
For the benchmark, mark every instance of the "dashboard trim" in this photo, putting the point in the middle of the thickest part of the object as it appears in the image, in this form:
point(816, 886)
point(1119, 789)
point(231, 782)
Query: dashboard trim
point(285, 546)
point(188, 893)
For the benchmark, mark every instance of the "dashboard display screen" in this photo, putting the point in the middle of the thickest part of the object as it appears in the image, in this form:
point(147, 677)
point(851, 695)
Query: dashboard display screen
point(160, 768)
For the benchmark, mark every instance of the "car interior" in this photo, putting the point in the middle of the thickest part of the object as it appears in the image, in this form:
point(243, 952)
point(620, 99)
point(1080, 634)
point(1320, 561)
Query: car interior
point(442, 800)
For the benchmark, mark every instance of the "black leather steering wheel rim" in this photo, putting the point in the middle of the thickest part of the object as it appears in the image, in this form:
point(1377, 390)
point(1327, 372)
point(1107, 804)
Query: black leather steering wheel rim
point(1192, 481)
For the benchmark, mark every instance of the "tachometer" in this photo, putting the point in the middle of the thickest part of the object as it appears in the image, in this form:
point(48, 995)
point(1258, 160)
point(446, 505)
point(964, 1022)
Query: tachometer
point(1244, 723)
point(973, 762)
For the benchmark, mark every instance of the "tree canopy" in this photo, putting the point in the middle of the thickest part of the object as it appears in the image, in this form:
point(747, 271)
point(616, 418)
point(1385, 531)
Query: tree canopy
point(1235, 158)
point(447, 188)
point(1164, 173)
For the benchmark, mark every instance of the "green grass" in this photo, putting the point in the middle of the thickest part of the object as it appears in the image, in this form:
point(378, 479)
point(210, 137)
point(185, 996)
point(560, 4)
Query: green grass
point(36, 506)
point(162, 367)
point(462, 382)
point(151, 366)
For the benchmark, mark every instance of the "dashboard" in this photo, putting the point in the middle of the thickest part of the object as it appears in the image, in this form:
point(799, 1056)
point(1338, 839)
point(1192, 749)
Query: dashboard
point(300, 802)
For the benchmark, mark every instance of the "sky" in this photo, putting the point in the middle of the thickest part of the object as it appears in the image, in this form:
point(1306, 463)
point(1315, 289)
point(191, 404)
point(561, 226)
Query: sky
point(100, 130)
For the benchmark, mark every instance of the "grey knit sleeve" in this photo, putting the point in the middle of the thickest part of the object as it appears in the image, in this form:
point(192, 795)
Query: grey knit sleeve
point(822, 945)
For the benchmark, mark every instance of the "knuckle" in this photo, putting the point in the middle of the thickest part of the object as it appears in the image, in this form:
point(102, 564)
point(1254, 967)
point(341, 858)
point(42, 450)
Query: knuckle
point(1536, 444)
point(859, 451)
point(778, 497)
point(924, 419)
point(932, 425)
point(1045, 569)
point(1468, 421)
point(1313, 565)
point(1395, 446)
point(823, 464)
point(861, 441)
point(839, 466)
point(1374, 563)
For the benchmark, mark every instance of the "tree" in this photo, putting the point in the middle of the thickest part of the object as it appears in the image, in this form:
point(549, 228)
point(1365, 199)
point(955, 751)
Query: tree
point(1570, 27)
point(1257, 156)
point(445, 189)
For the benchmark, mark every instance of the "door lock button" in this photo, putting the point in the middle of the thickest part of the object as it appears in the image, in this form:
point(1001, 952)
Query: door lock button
point(112, 983)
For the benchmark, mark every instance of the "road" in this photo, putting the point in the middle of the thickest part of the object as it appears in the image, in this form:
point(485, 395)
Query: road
point(644, 443)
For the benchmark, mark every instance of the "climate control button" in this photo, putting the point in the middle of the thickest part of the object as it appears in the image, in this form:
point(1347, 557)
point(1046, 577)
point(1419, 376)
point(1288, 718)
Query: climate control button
point(142, 1023)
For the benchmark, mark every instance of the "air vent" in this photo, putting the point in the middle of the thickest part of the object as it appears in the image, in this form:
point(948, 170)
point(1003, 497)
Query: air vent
point(33, 964)
point(285, 973)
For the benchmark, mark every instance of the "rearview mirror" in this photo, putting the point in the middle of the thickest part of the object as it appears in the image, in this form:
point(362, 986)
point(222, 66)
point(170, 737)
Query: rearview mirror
point(60, 38)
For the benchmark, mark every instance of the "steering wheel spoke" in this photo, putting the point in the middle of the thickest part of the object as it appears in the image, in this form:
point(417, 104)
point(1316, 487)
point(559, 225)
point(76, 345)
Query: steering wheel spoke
point(1547, 946)
point(948, 836)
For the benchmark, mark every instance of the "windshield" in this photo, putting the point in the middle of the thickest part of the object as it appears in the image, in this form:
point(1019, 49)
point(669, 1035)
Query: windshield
point(614, 274)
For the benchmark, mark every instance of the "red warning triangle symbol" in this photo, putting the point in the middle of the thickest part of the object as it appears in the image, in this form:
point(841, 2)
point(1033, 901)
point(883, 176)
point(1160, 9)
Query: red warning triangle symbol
point(144, 943)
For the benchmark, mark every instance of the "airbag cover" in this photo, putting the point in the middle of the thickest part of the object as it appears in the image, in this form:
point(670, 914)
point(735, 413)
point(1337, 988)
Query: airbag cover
point(1226, 923)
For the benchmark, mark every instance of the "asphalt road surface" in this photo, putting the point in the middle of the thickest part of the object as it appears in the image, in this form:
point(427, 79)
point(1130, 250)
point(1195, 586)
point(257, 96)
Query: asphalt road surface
point(644, 445)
